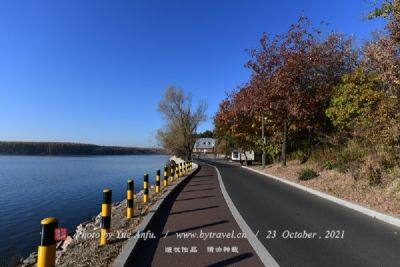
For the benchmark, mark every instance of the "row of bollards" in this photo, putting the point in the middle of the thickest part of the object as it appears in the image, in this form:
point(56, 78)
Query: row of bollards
point(47, 247)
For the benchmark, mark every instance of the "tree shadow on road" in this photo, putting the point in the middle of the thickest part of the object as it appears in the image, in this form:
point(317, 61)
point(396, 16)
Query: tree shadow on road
point(197, 227)
point(194, 198)
point(144, 253)
point(233, 260)
point(199, 184)
point(199, 190)
point(193, 210)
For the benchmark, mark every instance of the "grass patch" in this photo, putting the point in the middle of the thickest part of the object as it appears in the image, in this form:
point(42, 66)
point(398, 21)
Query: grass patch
point(307, 174)
point(328, 165)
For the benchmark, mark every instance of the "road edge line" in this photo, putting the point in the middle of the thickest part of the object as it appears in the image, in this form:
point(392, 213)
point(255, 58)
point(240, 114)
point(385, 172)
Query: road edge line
point(261, 251)
point(366, 211)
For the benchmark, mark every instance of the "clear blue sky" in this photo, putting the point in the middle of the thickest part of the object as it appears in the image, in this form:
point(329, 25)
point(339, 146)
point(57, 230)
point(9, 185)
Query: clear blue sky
point(94, 71)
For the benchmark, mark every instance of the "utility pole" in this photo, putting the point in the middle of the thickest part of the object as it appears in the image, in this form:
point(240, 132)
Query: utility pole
point(263, 140)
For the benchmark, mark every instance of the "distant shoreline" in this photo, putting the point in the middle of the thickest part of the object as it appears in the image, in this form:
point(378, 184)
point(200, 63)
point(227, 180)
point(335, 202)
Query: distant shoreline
point(71, 149)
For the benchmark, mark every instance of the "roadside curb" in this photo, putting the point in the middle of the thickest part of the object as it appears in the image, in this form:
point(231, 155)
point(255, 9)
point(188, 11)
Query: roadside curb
point(134, 243)
point(262, 253)
point(366, 211)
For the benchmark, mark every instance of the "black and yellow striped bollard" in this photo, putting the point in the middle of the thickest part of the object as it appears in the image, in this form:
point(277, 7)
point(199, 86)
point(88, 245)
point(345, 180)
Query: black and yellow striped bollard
point(129, 199)
point(177, 171)
point(165, 176)
point(105, 216)
point(171, 174)
point(47, 248)
point(158, 185)
point(145, 188)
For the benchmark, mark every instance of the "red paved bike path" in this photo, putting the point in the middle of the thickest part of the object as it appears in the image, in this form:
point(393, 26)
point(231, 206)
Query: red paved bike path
point(198, 208)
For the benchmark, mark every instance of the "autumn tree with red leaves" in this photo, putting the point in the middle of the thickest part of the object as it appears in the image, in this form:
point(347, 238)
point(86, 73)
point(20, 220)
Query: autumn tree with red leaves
point(293, 75)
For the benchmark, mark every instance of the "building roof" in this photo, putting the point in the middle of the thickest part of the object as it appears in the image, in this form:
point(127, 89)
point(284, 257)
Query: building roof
point(203, 143)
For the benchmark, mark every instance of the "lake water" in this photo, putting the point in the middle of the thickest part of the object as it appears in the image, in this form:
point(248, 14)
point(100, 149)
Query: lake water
point(68, 188)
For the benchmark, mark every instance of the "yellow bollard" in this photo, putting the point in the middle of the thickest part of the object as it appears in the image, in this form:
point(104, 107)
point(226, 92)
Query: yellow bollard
point(105, 216)
point(171, 174)
point(145, 188)
point(165, 176)
point(47, 248)
point(158, 182)
point(129, 199)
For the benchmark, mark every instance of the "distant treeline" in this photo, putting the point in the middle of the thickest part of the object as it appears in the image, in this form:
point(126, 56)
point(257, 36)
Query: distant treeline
point(59, 148)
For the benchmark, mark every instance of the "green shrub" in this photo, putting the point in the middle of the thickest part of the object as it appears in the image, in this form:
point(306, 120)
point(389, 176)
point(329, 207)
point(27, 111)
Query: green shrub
point(307, 174)
point(370, 168)
point(328, 165)
point(351, 154)
point(300, 155)
point(374, 175)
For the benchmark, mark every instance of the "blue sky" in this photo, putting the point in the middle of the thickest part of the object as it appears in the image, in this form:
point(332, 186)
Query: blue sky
point(94, 71)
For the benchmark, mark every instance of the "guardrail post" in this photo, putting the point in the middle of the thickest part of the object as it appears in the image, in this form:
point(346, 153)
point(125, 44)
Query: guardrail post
point(105, 216)
point(129, 199)
point(171, 174)
point(145, 188)
point(165, 176)
point(181, 169)
point(158, 181)
point(47, 248)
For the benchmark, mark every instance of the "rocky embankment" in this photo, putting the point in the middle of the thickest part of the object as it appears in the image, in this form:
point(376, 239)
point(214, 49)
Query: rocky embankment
point(82, 247)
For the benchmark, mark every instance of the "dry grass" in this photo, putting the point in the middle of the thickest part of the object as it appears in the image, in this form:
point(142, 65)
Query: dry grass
point(87, 252)
point(384, 197)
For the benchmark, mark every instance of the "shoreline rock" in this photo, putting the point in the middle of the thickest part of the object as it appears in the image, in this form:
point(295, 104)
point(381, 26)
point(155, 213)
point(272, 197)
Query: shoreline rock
point(75, 245)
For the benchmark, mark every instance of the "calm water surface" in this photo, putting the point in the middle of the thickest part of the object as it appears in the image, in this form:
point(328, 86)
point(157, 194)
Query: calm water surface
point(68, 188)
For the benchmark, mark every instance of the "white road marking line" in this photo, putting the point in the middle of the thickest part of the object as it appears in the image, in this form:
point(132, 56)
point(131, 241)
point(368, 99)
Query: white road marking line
point(372, 213)
point(258, 247)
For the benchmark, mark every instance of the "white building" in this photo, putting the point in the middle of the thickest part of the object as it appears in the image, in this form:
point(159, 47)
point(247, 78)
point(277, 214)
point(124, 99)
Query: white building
point(204, 145)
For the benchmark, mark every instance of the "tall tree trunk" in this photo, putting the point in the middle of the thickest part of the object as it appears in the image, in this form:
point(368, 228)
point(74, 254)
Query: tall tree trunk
point(284, 142)
point(188, 152)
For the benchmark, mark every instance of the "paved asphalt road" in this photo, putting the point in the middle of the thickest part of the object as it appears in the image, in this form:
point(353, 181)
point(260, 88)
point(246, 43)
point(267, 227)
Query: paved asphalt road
point(268, 205)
